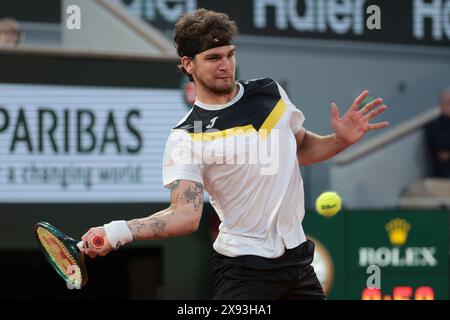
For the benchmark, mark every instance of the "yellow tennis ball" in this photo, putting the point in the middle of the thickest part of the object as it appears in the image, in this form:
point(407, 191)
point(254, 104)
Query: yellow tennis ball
point(328, 203)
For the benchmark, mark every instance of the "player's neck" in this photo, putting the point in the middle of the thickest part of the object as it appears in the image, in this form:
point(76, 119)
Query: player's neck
point(212, 98)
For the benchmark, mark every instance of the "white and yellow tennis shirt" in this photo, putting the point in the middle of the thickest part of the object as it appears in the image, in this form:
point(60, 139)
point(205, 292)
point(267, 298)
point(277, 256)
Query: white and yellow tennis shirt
point(245, 155)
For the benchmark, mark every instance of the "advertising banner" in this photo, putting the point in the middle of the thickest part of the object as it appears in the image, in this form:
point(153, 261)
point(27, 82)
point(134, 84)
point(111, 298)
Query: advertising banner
point(78, 143)
point(382, 255)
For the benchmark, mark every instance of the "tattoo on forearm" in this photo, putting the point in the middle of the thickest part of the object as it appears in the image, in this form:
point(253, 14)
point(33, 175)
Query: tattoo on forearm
point(138, 227)
point(158, 226)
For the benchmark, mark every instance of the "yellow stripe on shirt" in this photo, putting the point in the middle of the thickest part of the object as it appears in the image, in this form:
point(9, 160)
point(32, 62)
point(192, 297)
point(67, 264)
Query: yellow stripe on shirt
point(272, 119)
point(208, 136)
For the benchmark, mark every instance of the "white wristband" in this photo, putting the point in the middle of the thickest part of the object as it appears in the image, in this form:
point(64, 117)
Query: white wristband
point(118, 233)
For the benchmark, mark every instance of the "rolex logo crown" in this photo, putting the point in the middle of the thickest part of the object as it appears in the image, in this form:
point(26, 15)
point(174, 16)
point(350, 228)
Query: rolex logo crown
point(398, 230)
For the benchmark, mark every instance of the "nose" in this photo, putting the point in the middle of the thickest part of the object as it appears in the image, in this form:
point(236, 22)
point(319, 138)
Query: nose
point(225, 64)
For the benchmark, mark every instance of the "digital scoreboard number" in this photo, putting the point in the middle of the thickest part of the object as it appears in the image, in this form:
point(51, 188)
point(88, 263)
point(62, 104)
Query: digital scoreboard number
point(400, 293)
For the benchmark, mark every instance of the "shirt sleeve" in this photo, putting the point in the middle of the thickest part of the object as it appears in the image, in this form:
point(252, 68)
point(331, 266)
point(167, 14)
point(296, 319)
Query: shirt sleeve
point(181, 162)
point(297, 117)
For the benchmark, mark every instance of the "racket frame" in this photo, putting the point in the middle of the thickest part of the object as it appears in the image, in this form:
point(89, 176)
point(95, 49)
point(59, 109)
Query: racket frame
point(71, 246)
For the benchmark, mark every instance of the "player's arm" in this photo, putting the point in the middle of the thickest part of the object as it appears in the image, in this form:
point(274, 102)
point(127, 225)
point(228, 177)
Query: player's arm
point(348, 129)
point(181, 218)
point(312, 148)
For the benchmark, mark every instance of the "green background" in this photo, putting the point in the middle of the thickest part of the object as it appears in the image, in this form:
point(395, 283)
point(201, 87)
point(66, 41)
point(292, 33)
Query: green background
point(344, 234)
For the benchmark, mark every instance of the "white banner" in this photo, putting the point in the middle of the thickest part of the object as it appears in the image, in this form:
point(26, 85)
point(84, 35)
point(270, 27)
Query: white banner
point(84, 144)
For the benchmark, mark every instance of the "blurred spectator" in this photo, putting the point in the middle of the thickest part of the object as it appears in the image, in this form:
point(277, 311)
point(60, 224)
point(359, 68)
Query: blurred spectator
point(10, 32)
point(438, 138)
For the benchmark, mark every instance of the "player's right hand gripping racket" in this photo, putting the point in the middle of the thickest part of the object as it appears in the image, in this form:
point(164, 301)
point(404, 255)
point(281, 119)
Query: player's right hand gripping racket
point(64, 253)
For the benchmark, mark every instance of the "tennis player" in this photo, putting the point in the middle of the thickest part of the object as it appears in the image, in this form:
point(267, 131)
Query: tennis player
point(261, 251)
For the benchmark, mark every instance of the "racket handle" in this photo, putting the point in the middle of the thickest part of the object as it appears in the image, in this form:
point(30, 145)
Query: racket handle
point(98, 242)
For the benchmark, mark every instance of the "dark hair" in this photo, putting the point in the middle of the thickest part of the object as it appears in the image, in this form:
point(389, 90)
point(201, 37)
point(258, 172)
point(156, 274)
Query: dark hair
point(201, 30)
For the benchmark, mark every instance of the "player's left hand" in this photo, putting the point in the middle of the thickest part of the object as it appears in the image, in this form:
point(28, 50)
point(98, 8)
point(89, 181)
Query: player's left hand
point(88, 245)
point(355, 123)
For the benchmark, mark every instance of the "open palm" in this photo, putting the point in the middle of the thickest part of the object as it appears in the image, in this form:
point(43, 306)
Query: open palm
point(355, 123)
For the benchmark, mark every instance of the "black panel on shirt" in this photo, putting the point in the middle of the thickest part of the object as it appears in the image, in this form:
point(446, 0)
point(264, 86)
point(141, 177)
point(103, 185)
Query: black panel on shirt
point(259, 99)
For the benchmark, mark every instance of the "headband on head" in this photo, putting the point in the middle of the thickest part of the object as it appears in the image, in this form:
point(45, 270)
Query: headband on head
point(195, 47)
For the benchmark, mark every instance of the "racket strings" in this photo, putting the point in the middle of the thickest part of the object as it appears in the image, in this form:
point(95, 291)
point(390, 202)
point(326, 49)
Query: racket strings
point(60, 255)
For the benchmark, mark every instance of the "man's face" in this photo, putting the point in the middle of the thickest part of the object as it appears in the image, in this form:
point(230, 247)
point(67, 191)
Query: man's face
point(215, 69)
point(445, 103)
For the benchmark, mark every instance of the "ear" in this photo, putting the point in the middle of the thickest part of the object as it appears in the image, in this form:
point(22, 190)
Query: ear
point(187, 64)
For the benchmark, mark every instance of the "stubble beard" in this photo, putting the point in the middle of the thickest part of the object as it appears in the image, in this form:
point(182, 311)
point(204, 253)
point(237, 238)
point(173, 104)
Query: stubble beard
point(219, 90)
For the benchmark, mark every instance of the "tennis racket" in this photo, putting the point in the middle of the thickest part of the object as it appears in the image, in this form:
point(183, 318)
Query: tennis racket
point(64, 253)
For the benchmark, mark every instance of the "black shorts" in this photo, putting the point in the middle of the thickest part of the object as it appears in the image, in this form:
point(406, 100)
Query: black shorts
point(249, 277)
